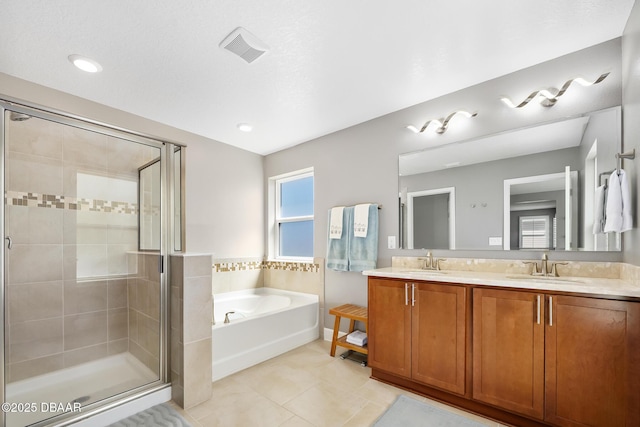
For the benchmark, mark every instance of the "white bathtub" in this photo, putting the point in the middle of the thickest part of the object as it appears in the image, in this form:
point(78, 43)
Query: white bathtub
point(267, 322)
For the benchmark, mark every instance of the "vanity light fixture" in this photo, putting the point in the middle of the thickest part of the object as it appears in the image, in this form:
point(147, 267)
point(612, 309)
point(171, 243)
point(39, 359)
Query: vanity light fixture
point(85, 64)
point(441, 125)
point(549, 97)
point(244, 127)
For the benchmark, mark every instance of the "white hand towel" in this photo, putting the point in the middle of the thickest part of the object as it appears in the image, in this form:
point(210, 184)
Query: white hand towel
point(361, 220)
point(618, 211)
point(598, 210)
point(335, 223)
point(625, 192)
point(613, 219)
point(357, 338)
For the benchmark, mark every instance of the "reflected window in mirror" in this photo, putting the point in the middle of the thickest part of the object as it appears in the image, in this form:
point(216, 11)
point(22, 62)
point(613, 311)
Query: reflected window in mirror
point(536, 232)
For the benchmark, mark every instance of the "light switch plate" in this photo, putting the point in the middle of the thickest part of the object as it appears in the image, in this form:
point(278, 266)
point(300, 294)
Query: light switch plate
point(495, 241)
point(391, 242)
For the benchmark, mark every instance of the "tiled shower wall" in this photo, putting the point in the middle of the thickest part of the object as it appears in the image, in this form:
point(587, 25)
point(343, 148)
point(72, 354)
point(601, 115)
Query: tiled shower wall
point(191, 312)
point(144, 309)
point(71, 211)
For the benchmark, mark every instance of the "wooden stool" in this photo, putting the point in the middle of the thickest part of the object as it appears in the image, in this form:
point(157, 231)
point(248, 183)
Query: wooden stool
point(353, 312)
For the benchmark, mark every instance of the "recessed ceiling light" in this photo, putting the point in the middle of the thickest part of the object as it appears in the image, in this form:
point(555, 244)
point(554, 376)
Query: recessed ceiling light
point(244, 127)
point(85, 64)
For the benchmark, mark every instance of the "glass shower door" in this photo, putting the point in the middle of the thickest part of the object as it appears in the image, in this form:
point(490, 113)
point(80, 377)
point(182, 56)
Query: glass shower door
point(82, 302)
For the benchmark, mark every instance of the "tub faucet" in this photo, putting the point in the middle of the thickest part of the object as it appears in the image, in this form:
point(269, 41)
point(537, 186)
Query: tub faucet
point(226, 316)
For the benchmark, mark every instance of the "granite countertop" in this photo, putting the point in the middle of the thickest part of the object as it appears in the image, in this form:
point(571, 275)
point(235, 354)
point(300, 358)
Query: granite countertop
point(581, 285)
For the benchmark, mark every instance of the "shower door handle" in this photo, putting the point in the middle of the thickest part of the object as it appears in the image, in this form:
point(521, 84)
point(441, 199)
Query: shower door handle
point(10, 244)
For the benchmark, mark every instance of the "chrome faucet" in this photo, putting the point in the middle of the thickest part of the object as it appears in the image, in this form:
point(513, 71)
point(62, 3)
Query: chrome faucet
point(544, 269)
point(544, 265)
point(431, 263)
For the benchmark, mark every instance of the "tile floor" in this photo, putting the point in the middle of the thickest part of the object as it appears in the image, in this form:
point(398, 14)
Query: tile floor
point(305, 387)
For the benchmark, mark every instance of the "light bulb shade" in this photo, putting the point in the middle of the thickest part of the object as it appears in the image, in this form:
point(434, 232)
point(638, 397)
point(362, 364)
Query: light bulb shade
point(85, 64)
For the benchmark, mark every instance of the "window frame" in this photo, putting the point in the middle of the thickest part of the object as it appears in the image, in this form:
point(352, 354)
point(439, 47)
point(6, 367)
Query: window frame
point(275, 218)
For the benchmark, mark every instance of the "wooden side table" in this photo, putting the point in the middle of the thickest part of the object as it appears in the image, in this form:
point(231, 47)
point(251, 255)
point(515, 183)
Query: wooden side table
point(354, 313)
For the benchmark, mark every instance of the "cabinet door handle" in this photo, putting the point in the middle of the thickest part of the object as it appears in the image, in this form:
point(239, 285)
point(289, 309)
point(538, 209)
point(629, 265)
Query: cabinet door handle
point(550, 311)
point(538, 310)
point(406, 294)
point(413, 294)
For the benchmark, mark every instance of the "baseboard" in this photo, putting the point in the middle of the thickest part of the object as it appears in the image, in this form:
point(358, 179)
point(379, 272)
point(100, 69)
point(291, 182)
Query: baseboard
point(328, 334)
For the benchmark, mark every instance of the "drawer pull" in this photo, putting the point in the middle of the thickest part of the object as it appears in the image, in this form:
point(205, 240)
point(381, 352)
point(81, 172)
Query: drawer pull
point(538, 311)
point(550, 311)
point(406, 294)
point(413, 294)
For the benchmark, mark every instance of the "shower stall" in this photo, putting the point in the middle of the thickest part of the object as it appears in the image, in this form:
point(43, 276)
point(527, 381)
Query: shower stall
point(84, 293)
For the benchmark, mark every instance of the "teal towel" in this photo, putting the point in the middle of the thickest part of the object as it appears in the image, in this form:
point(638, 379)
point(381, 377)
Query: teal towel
point(338, 249)
point(363, 251)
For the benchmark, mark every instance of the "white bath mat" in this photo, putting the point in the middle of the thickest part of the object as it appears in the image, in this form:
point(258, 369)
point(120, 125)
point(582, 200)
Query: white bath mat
point(408, 412)
point(158, 416)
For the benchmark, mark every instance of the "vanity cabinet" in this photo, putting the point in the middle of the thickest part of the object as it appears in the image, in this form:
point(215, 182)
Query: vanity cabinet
point(508, 350)
point(592, 362)
point(570, 361)
point(417, 330)
point(520, 356)
point(389, 327)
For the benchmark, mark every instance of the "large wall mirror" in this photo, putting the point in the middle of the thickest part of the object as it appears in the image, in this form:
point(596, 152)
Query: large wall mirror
point(530, 188)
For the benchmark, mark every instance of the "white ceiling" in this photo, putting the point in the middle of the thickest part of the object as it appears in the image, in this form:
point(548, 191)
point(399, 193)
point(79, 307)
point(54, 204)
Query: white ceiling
point(332, 64)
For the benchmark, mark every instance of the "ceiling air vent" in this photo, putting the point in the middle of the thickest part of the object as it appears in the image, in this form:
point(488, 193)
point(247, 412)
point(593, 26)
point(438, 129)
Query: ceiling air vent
point(244, 44)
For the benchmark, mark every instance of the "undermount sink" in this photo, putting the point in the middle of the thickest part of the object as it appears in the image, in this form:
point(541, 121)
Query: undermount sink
point(549, 279)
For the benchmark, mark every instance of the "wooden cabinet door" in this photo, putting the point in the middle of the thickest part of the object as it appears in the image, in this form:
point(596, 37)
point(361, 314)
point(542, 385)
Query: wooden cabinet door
point(389, 326)
point(592, 362)
point(438, 322)
point(508, 350)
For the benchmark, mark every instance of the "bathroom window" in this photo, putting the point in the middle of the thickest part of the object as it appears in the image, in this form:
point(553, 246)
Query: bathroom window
point(292, 205)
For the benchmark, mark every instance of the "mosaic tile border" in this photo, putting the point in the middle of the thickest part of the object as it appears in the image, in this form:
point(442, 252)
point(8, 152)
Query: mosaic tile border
point(292, 266)
point(224, 267)
point(20, 198)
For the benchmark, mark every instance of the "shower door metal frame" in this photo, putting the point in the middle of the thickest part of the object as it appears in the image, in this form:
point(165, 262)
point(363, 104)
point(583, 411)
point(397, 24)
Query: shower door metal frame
point(166, 148)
